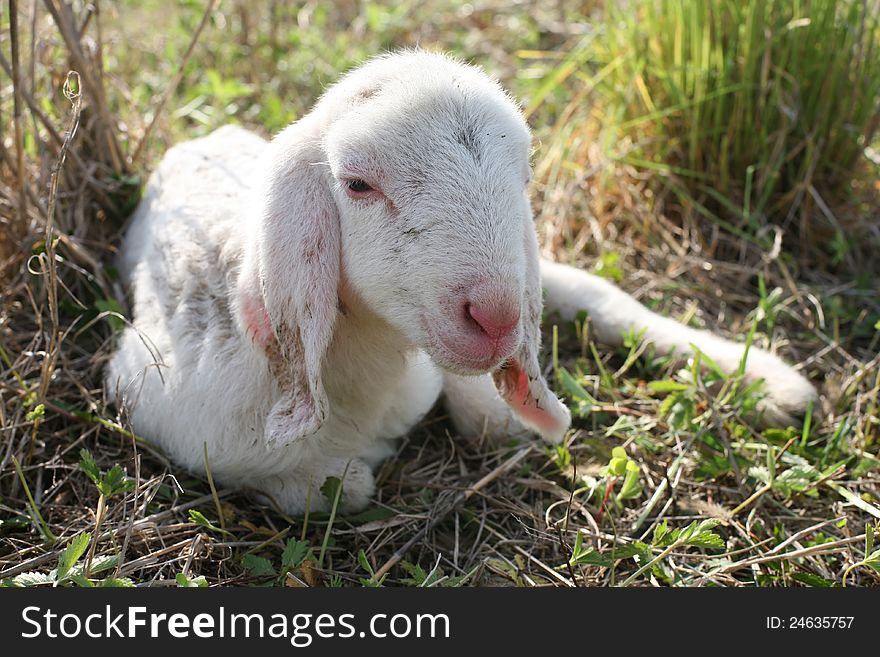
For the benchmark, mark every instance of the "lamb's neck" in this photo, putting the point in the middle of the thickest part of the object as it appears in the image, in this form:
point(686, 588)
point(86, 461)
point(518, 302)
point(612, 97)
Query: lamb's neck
point(365, 355)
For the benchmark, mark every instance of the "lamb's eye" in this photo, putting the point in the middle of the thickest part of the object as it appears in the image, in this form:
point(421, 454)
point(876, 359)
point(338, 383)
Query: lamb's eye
point(358, 186)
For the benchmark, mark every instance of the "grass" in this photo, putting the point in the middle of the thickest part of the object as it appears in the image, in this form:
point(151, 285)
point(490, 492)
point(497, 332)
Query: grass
point(750, 107)
point(766, 229)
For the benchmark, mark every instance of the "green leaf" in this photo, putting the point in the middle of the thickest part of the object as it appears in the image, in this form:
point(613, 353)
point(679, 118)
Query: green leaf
point(698, 534)
point(712, 365)
point(607, 266)
point(575, 391)
point(706, 540)
point(330, 488)
point(72, 553)
point(666, 405)
point(561, 456)
point(371, 515)
point(660, 533)
point(185, 582)
point(294, 553)
point(104, 562)
point(80, 580)
point(257, 566)
point(577, 549)
point(116, 583)
point(779, 435)
point(873, 560)
point(199, 518)
point(631, 487)
point(813, 580)
point(667, 386)
point(761, 473)
point(28, 579)
point(36, 414)
point(370, 581)
point(417, 574)
point(365, 564)
point(100, 564)
point(796, 479)
point(112, 307)
point(617, 467)
point(592, 557)
point(87, 464)
point(115, 481)
point(111, 482)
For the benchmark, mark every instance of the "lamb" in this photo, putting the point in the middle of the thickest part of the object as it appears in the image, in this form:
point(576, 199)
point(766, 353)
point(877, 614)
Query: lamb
point(300, 303)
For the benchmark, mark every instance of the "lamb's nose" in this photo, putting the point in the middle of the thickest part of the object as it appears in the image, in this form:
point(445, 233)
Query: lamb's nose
point(497, 321)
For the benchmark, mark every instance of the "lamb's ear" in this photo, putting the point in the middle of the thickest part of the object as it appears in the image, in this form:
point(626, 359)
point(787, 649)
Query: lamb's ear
point(294, 275)
point(519, 381)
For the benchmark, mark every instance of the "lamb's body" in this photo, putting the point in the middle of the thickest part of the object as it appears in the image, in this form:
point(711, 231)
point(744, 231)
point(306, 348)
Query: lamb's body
point(293, 326)
point(206, 379)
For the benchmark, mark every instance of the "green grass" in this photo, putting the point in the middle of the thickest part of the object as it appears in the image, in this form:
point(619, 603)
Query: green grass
point(747, 104)
point(668, 146)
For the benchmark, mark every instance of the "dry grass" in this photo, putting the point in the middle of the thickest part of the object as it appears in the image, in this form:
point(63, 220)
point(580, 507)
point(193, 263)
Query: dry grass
point(463, 512)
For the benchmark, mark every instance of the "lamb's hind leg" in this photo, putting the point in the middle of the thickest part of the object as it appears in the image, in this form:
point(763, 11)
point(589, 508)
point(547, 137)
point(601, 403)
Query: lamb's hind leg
point(613, 313)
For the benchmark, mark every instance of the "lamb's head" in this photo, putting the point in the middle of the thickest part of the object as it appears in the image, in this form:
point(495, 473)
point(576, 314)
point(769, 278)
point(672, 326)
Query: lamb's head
point(429, 177)
point(424, 218)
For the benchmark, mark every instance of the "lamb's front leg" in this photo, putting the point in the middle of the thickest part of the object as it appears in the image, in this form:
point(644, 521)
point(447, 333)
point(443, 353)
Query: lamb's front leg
point(613, 313)
point(477, 410)
point(299, 489)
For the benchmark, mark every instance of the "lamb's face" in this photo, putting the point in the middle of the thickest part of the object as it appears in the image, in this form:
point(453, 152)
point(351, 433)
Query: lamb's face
point(431, 193)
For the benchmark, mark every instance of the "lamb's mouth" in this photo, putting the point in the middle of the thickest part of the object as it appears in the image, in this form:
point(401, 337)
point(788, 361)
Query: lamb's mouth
point(456, 358)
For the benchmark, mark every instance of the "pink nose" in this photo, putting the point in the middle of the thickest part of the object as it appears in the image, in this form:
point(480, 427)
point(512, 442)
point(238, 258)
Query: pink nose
point(497, 322)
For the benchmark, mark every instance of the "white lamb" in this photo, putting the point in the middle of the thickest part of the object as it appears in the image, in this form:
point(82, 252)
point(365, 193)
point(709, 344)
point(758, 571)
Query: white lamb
point(301, 302)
